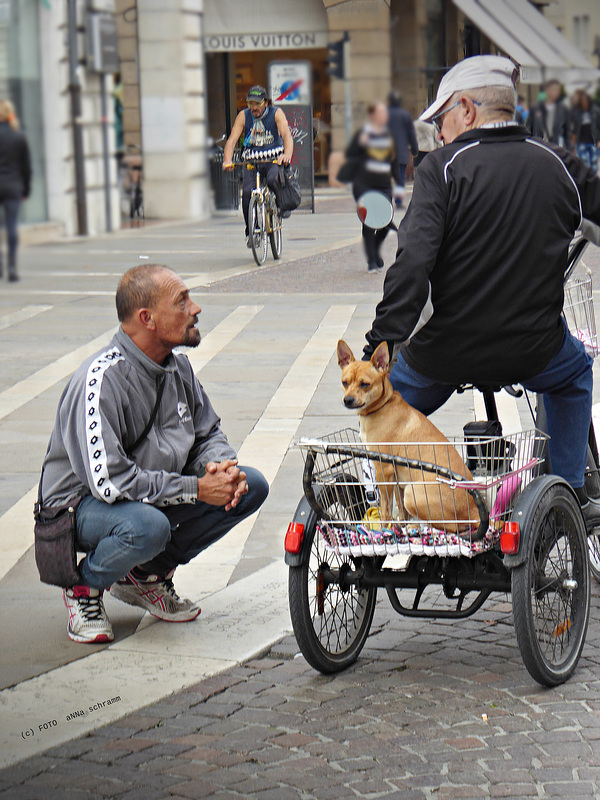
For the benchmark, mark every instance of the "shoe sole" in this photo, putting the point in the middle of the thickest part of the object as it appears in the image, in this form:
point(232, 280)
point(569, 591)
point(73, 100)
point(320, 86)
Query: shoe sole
point(121, 593)
point(101, 638)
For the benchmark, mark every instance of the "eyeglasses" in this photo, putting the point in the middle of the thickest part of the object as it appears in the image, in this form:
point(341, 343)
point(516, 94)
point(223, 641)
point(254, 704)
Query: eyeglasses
point(438, 119)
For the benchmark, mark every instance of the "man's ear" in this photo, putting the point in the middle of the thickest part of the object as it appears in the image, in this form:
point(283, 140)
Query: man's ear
point(146, 317)
point(381, 358)
point(344, 354)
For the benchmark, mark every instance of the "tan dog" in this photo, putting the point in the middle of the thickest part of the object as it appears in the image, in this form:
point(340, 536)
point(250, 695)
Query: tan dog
point(385, 417)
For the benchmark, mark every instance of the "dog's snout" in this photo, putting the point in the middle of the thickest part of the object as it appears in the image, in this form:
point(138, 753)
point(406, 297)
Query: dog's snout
point(349, 401)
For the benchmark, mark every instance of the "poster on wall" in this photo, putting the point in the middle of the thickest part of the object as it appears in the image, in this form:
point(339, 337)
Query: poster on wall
point(290, 89)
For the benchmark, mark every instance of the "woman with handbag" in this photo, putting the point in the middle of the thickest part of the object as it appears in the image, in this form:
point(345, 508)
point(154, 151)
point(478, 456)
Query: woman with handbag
point(372, 153)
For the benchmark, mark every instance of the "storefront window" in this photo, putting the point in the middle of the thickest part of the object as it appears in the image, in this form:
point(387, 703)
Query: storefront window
point(20, 83)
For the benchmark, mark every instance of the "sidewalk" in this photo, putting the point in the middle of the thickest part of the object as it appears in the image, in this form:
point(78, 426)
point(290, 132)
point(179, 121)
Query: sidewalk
point(431, 711)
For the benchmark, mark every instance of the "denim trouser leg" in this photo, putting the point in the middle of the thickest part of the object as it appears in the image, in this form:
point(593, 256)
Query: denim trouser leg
point(195, 527)
point(424, 394)
point(566, 384)
point(123, 535)
point(117, 537)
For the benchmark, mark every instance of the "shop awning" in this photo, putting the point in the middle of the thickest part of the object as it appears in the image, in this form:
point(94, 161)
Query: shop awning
point(519, 30)
point(231, 26)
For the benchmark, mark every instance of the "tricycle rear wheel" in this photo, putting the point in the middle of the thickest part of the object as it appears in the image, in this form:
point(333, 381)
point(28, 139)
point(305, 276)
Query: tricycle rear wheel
point(551, 589)
point(331, 622)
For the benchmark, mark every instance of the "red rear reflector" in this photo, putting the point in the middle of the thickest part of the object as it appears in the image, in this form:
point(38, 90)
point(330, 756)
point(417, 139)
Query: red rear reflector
point(509, 538)
point(293, 537)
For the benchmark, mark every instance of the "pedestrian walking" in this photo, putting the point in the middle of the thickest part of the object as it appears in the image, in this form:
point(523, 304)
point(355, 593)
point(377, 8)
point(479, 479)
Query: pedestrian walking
point(549, 118)
point(139, 450)
point(585, 127)
point(405, 142)
point(372, 152)
point(15, 179)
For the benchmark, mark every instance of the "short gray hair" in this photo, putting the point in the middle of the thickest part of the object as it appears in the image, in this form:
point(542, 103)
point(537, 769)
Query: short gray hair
point(502, 99)
point(138, 288)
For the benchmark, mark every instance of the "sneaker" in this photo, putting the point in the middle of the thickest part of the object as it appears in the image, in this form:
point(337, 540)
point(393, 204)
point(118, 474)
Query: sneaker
point(373, 266)
point(88, 622)
point(249, 242)
point(157, 595)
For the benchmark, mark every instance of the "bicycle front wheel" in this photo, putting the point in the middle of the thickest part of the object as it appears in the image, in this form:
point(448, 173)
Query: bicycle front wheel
point(275, 236)
point(258, 230)
point(551, 590)
point(331, 620)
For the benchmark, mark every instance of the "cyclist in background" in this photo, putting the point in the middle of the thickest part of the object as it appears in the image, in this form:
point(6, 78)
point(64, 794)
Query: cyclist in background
point(267, 137)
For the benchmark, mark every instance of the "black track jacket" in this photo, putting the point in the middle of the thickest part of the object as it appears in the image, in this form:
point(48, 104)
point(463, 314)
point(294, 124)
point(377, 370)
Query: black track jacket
point(476, 291)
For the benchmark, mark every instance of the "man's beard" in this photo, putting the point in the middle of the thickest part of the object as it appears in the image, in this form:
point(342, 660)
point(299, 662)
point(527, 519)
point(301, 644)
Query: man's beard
point(192, 338)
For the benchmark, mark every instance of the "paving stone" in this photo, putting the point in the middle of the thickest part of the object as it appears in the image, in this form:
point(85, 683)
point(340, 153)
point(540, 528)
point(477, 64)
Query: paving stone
point(195, 788)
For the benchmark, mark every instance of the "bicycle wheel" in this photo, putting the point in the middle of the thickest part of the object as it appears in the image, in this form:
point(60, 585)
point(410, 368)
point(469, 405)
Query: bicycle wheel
point(275, 237)
point(258, 230)
point(592, 488)
point(551, 590)
point(331, 621)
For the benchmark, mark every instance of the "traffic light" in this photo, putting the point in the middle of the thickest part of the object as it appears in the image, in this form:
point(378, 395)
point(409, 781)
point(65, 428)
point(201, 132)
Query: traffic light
point(336, 59)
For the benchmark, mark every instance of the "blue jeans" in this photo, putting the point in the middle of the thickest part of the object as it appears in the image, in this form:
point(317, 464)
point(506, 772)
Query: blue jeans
point(566, 385)
point(119, 536)
point(588, 153)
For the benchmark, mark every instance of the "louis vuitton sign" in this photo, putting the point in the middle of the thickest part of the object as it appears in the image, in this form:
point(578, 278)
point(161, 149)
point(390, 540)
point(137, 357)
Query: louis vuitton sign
point(227, 42)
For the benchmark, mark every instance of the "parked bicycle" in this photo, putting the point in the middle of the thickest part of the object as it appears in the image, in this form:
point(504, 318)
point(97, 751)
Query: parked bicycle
point(264, 219)
point(529, 537)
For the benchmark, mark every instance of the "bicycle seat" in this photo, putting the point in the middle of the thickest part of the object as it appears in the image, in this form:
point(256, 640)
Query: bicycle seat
point(490, 388)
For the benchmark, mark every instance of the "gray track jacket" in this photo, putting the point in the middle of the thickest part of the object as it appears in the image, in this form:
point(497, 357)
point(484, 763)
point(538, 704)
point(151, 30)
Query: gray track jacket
point(103, 410)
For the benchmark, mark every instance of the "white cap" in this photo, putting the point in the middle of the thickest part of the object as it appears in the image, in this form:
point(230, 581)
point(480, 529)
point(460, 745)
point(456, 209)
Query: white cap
point(476, 72)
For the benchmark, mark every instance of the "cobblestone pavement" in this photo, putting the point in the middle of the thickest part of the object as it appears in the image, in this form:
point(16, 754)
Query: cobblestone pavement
point(431, 711)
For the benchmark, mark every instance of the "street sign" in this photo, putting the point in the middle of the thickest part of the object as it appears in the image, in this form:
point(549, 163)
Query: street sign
point(290, 88)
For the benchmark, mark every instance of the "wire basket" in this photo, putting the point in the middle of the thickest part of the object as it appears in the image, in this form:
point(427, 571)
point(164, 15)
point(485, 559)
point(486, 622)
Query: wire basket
point(578, 310)
point(417, 498)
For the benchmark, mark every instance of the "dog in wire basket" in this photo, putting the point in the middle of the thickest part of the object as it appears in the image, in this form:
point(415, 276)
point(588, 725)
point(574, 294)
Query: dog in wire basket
point(385, 418)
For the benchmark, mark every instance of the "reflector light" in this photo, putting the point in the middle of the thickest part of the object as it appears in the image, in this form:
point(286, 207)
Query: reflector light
point(293, 537)
point(509, 538)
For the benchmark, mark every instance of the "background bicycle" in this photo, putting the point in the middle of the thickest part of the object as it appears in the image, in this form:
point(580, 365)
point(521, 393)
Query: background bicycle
point(264, 219)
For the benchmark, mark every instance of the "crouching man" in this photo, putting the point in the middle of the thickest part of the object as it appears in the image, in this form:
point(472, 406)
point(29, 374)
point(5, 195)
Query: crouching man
point(153, 498)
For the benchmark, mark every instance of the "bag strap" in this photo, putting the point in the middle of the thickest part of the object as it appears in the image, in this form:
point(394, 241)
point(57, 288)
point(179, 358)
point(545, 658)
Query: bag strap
point(128, 450)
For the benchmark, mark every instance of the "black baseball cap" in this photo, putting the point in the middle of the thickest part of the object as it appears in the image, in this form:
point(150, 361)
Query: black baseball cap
point(257, 93)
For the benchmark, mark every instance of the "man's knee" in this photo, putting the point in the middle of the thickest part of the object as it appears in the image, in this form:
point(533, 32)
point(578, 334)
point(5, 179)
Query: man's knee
point(148, 530)
point(258, 488)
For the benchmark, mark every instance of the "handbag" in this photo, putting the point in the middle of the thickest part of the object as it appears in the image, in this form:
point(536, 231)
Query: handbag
point(55, 529)
point(55, 550)
point(347, 172)
point(287, 189)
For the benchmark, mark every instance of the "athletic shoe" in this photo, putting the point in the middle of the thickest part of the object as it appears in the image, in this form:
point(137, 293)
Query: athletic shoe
point(249, 242)
point(88, 622)
point(373, 266)
point(157, 595)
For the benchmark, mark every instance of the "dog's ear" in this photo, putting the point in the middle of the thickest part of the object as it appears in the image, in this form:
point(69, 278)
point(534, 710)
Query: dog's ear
point(344, 354)
point(381, 358)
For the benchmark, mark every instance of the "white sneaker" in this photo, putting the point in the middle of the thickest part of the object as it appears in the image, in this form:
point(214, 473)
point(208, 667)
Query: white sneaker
point(157, 595)
point(88, 622)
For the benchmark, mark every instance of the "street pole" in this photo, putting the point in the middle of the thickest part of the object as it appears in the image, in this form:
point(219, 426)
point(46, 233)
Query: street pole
point(76, 120)
point(347, 88)
point(105, 154)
